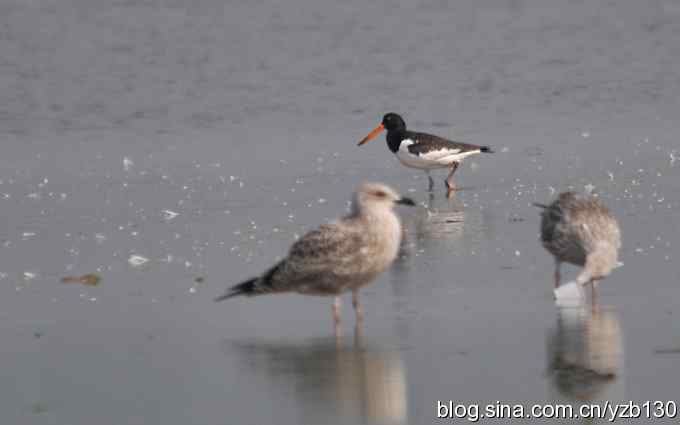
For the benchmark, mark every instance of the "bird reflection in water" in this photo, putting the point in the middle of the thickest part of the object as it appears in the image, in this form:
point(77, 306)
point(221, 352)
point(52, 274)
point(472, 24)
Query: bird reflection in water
point(442, 226)
point(586, 354)
point(440, 221)
point(435, 228)
point(333, 381)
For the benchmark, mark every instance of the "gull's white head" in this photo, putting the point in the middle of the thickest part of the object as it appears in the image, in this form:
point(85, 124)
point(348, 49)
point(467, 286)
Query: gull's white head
point(377, 195)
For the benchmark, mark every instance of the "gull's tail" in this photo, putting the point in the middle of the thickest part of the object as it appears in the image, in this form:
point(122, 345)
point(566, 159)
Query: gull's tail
point(486, 149)
point(247, 288)
point(260, 285)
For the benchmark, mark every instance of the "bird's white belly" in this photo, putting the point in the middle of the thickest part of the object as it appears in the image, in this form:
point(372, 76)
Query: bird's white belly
point(431, 160)
point(415, 161)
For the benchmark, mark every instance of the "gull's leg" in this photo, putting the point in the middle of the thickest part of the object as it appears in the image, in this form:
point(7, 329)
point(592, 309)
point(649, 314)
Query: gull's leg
point(558, 276)
point(357, 305)
point(450, 186)
point(593, 291)
point(594, 307)
point(358, 336)
point(337, 303)
point(430, 186)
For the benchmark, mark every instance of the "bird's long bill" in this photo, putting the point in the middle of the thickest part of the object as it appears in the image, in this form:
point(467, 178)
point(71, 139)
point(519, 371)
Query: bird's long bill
point(406, 201)
point(372, 134)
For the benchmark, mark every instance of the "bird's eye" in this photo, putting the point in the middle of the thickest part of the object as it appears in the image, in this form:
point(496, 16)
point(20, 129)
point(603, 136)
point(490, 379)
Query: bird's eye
point(381, 194)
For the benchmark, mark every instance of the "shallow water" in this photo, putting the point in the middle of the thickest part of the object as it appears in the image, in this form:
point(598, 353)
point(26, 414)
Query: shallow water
point(205, 137)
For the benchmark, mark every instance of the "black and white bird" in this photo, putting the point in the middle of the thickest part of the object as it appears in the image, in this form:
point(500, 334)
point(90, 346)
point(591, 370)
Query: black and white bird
point(424, 151)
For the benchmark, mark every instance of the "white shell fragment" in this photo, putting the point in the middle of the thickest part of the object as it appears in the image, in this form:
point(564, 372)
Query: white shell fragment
point(29, 275)
point(570, 295)
point(169, 215)
point(137, 260)
point(127, 163)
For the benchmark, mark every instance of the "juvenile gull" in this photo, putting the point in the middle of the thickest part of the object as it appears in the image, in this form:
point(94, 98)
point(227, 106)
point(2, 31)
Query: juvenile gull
point(423, 151)
point(340, 256)
point(580, 230)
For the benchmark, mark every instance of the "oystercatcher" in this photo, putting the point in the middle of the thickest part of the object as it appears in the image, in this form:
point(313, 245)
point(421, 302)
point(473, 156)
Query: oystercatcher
point(580, 230)
point(423, 151)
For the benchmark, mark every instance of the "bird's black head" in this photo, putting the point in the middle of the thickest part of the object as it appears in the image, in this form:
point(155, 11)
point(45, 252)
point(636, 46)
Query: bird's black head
point(394, 125)
point(393, 122)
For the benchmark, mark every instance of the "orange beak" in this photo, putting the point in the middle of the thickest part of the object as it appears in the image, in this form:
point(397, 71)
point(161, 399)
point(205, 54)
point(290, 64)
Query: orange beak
point(372, 134)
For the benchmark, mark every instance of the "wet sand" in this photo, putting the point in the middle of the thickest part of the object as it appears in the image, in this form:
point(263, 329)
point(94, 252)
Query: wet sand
point(204, 138)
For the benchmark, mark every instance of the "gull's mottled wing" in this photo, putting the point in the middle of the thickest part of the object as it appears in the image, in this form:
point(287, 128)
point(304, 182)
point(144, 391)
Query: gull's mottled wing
point(594, 224)
point(560, 236)
point(575, 226)
point(319, 260)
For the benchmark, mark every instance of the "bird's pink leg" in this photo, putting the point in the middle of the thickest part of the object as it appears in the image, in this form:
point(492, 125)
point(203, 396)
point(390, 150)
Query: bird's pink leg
point(358, 336)
point(593, 291)
point(337, 304)
point(450, 185)
point(337, 327)
point(357, 306)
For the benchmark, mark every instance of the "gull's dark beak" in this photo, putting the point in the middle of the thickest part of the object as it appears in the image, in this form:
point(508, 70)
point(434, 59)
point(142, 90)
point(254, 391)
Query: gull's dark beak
point(406, 201)
point(372, 134)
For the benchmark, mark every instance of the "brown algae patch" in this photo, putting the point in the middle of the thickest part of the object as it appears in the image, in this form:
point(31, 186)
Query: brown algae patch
point(90, 279)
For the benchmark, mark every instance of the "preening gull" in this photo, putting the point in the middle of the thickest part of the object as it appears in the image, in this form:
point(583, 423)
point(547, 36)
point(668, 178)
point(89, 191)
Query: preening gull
point(580, 229)
point(340, 256)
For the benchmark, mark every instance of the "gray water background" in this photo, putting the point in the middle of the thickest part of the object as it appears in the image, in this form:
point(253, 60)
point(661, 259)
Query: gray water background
point(243, 118)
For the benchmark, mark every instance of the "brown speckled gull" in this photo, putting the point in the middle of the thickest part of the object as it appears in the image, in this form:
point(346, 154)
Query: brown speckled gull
point(340, 256)
point(579, 229)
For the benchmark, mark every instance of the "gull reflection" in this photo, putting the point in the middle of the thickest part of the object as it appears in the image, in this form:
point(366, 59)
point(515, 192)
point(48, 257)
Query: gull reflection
point(333, 381)
point(586, 354)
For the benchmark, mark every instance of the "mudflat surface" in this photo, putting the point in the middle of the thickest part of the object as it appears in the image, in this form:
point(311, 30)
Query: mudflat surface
point(202, 137)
